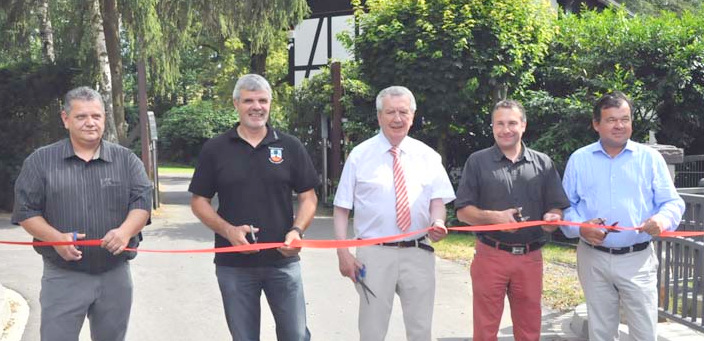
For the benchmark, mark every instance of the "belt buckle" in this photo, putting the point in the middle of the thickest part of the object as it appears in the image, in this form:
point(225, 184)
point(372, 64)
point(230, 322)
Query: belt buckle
point(518, 250)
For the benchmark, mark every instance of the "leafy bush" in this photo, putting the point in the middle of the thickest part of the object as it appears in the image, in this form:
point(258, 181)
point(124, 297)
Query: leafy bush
point(457, 56)
point(183, 130)
point(657, 61)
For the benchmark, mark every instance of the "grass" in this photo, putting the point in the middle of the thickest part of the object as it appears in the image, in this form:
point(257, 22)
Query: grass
point(178, 169)
point(561, 288)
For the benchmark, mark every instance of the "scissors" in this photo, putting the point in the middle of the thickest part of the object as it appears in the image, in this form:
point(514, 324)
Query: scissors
point(252, 235)
point(360, 280)
point(519, 215)
point(610, 230)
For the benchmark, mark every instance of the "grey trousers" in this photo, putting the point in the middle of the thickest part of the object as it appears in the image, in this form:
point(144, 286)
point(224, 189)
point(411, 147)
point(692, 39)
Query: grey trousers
point(67, 297)
point(626, 281)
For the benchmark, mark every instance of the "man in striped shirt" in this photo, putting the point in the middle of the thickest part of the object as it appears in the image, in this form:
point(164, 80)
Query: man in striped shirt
point(84, 187)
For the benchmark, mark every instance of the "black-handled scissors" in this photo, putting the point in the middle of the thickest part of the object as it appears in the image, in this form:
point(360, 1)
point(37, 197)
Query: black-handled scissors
point(611, 230)
point(360, 280)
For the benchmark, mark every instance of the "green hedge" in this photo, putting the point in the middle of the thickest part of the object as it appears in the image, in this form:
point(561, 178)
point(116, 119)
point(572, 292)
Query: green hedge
point(183, 130)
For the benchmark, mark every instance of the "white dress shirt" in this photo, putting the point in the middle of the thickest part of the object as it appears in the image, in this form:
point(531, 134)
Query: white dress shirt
point(367, 185)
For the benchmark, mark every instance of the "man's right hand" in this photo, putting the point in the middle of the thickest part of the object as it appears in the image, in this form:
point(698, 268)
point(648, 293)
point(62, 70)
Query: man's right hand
point(69, 252)
point(236, 235)
point(349, 265)
point(592, 235)
point(507, 217)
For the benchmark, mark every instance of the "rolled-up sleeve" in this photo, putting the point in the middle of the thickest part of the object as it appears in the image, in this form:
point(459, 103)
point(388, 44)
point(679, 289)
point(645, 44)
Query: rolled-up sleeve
point(29, 192)
point(669, 204)
point(140, 186)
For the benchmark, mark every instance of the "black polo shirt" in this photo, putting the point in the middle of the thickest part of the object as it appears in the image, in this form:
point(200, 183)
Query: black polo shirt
point(255, 187)
point(73, 195)
point(490, 181)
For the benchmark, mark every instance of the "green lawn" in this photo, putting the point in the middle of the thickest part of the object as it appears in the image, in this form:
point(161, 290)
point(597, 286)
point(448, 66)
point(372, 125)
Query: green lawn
point(176, 169)
point(561, 289)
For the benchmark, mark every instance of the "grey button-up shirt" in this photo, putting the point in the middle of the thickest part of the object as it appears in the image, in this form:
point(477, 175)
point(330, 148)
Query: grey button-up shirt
point(85, 197)
point(490, 181)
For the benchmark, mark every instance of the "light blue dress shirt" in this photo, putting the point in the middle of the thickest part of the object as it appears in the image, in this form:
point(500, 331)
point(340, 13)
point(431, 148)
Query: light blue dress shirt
point(628, 188)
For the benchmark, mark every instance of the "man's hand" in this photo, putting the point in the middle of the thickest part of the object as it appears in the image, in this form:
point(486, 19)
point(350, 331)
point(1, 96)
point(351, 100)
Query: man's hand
point(69, 252)
point(115, 241)
point(551, 216)
point(349, 265)
point(507, 217)
point(236, 235)
point(591, 235)
point(654, 225)
point(438, 231)
point(287, 250)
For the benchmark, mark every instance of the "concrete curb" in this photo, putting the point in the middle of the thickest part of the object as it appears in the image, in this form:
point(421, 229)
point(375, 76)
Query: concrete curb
point(667, 331)
point(4, 308)
point(14, 316)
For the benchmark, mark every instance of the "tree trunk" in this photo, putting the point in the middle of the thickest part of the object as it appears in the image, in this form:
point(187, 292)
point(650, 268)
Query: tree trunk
point(108, 9)
point(258, 63)
point(104, 70)
point(46, 31)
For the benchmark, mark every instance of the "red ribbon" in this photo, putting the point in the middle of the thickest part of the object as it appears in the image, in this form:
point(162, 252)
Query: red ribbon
point(334, 244)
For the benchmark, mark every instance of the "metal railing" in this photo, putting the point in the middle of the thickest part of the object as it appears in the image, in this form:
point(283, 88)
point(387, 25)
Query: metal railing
point(690, 171)
point(680, 276)
point(693, 218)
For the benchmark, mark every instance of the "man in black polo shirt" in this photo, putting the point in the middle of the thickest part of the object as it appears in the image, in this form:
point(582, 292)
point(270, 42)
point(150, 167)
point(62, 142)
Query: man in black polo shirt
point(254, 169)
point(507, 183)
point(84, 187)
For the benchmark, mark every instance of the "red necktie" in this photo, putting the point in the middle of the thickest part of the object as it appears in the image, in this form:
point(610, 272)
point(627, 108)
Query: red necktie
point(403, 211)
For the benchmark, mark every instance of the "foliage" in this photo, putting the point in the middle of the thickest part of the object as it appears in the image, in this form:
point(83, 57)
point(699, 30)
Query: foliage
point(183, 130)
point(29, 115)
point(457, 56)
point(653, 7)
point(657, 61)
point(313, 99)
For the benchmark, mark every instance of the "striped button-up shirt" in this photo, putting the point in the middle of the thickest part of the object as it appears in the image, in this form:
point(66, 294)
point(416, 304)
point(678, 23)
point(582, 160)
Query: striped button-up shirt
point(85, 197)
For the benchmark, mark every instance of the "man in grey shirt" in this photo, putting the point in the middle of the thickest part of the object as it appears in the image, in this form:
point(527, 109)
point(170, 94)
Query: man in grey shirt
point(84, 187)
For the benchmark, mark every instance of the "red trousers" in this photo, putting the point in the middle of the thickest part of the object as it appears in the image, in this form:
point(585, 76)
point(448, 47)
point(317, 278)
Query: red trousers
point(497, 273)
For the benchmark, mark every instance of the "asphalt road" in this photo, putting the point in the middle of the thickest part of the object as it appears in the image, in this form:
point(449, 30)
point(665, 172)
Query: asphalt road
point(176, 296)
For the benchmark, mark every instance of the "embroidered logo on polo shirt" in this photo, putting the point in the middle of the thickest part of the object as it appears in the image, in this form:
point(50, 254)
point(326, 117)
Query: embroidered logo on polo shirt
point(276, 155)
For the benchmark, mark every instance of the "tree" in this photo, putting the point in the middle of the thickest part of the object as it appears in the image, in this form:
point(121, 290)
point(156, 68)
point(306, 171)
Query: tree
point(256, 23)
point(457, 56)
point(657, 61)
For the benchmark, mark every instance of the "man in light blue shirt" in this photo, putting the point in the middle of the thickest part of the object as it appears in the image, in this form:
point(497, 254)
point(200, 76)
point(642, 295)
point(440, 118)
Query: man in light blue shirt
point(616, 180)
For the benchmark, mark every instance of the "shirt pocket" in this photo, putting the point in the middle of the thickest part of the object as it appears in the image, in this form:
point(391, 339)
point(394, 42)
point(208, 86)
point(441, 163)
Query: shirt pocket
point(115, 196)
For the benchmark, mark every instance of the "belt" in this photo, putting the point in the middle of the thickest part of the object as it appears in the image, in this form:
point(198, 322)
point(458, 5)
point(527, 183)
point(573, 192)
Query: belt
point(411, 243)
point(620, 250)
point(515, 249)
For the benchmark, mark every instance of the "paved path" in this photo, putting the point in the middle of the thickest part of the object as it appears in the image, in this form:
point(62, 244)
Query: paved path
point(177, 297)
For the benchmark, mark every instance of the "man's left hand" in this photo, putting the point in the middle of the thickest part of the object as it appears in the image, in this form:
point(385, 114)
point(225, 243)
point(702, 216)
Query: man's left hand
point(115, 241)
point(550, 216)
point(287, 250)
point(654, 225)
point(438, 231)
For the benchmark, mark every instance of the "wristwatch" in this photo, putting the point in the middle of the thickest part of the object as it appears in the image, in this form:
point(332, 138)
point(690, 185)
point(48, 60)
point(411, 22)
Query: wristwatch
point(297, 229)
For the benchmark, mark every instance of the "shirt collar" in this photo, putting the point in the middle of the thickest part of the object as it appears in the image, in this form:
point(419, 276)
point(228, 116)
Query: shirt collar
point(385, 145)
point(102, 153)
point(497, 154)
point(271, 134)
point(597, 147)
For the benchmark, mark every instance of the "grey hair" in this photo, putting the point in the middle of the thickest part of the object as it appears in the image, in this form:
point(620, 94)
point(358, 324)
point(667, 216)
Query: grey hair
point(82, 93)
point(395, 90)
point(251, 82)
point(510, 104)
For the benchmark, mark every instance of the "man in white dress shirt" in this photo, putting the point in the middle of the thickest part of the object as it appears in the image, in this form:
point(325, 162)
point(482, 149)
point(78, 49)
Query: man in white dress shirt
point(396, 184)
